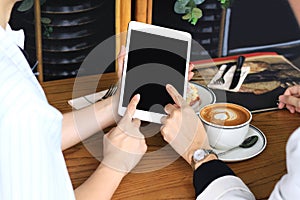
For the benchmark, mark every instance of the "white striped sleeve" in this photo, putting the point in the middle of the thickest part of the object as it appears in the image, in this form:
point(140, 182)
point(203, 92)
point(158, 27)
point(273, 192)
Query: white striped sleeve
point(32, 166)
point(289, 185)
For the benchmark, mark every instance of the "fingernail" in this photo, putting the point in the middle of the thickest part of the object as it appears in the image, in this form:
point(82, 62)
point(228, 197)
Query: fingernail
point(138, 96)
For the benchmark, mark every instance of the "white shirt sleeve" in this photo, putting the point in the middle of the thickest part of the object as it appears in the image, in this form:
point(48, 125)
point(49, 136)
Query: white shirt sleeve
point(226, 188)
point(32, 166)
point(288, 188)
point(289, 185)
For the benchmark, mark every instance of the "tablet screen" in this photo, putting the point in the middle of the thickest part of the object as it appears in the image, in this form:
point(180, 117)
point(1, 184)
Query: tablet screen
point(154, 61)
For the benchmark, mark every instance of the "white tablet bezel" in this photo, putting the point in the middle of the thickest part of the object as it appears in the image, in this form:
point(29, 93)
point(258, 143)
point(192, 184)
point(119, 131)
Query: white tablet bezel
point(161, 31)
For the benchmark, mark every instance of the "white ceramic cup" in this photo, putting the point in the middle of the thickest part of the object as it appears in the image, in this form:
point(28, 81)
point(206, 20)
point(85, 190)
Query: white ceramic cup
point(226, 124)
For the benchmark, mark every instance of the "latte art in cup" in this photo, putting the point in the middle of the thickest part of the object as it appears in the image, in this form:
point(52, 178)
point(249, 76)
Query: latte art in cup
point(226, 124)
point(225, 114)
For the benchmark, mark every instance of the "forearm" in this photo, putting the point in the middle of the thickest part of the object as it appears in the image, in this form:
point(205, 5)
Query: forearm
point(101, 185)
point(81, 124)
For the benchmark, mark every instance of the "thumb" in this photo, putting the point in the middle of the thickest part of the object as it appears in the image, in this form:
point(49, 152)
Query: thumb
point(178, 99)
point(131, 108)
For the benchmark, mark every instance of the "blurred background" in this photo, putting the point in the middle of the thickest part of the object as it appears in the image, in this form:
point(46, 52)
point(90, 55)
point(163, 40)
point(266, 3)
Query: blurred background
point(76, 27)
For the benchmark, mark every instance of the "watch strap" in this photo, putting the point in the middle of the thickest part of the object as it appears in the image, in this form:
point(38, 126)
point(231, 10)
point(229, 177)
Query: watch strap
point(207, 153)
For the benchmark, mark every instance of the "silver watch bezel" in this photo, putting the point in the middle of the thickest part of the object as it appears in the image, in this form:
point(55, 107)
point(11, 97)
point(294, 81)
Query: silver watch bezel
point(205, 152)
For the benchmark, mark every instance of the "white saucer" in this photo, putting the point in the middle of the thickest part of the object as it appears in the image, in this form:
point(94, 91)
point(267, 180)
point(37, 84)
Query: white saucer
point(207, 96)
point(240, 154)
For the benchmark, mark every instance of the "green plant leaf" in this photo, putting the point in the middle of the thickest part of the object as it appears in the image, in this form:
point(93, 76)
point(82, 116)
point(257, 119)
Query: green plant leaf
point(179, 8)
point(192, 4)
point(197, 2)
point(25, 5)
point(45, 20)
point(194, 21)
point(188, 9)
point(226, 3)
point(187, 16)
point(197, 13)
point(50, 29)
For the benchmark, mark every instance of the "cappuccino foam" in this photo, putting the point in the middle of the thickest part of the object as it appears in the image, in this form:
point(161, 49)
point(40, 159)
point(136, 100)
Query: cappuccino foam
point(225, 114)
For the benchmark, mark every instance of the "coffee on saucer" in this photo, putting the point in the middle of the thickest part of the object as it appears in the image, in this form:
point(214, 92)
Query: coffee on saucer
point(225, 114)
point(226, 124)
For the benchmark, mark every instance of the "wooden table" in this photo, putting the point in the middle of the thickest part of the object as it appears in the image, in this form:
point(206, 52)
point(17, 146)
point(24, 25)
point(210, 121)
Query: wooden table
point(175, 180)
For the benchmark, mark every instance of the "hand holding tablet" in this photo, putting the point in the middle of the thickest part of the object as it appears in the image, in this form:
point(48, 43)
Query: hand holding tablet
point(155, 56)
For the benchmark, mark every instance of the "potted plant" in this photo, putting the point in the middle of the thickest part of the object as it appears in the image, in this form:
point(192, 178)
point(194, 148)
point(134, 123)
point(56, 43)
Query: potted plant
point(190, 10)
point(45, 21)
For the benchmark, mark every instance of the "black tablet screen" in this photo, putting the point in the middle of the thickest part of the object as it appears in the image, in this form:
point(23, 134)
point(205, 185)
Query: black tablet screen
point(153, 62)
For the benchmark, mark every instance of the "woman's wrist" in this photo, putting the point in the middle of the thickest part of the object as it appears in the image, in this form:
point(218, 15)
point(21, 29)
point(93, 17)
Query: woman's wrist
point(115, 173)
point(105, 112)
point(208, 158)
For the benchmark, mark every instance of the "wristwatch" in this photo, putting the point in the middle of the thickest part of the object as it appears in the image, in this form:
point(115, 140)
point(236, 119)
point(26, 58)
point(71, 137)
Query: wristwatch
point(200, 154)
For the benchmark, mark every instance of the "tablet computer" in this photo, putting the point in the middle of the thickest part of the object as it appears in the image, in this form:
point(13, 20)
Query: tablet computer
point(155, 56)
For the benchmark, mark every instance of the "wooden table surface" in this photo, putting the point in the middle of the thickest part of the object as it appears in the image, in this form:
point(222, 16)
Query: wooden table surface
point(175, 180)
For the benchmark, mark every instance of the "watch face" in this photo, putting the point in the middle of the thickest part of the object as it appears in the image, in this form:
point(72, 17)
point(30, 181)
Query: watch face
point(199, 155)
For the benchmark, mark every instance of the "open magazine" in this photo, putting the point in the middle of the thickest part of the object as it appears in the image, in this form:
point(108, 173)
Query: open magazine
point(269, 75)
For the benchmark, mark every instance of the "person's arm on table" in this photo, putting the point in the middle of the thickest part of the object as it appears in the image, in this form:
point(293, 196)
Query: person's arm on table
point(124, 146)
point(81, 124)
point(183, 130)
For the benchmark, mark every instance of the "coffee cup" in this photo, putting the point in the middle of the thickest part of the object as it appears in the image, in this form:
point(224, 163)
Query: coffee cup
point(226, 124)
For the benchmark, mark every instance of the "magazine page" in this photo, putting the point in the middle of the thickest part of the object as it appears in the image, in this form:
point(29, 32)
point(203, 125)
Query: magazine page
point(268, 76)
